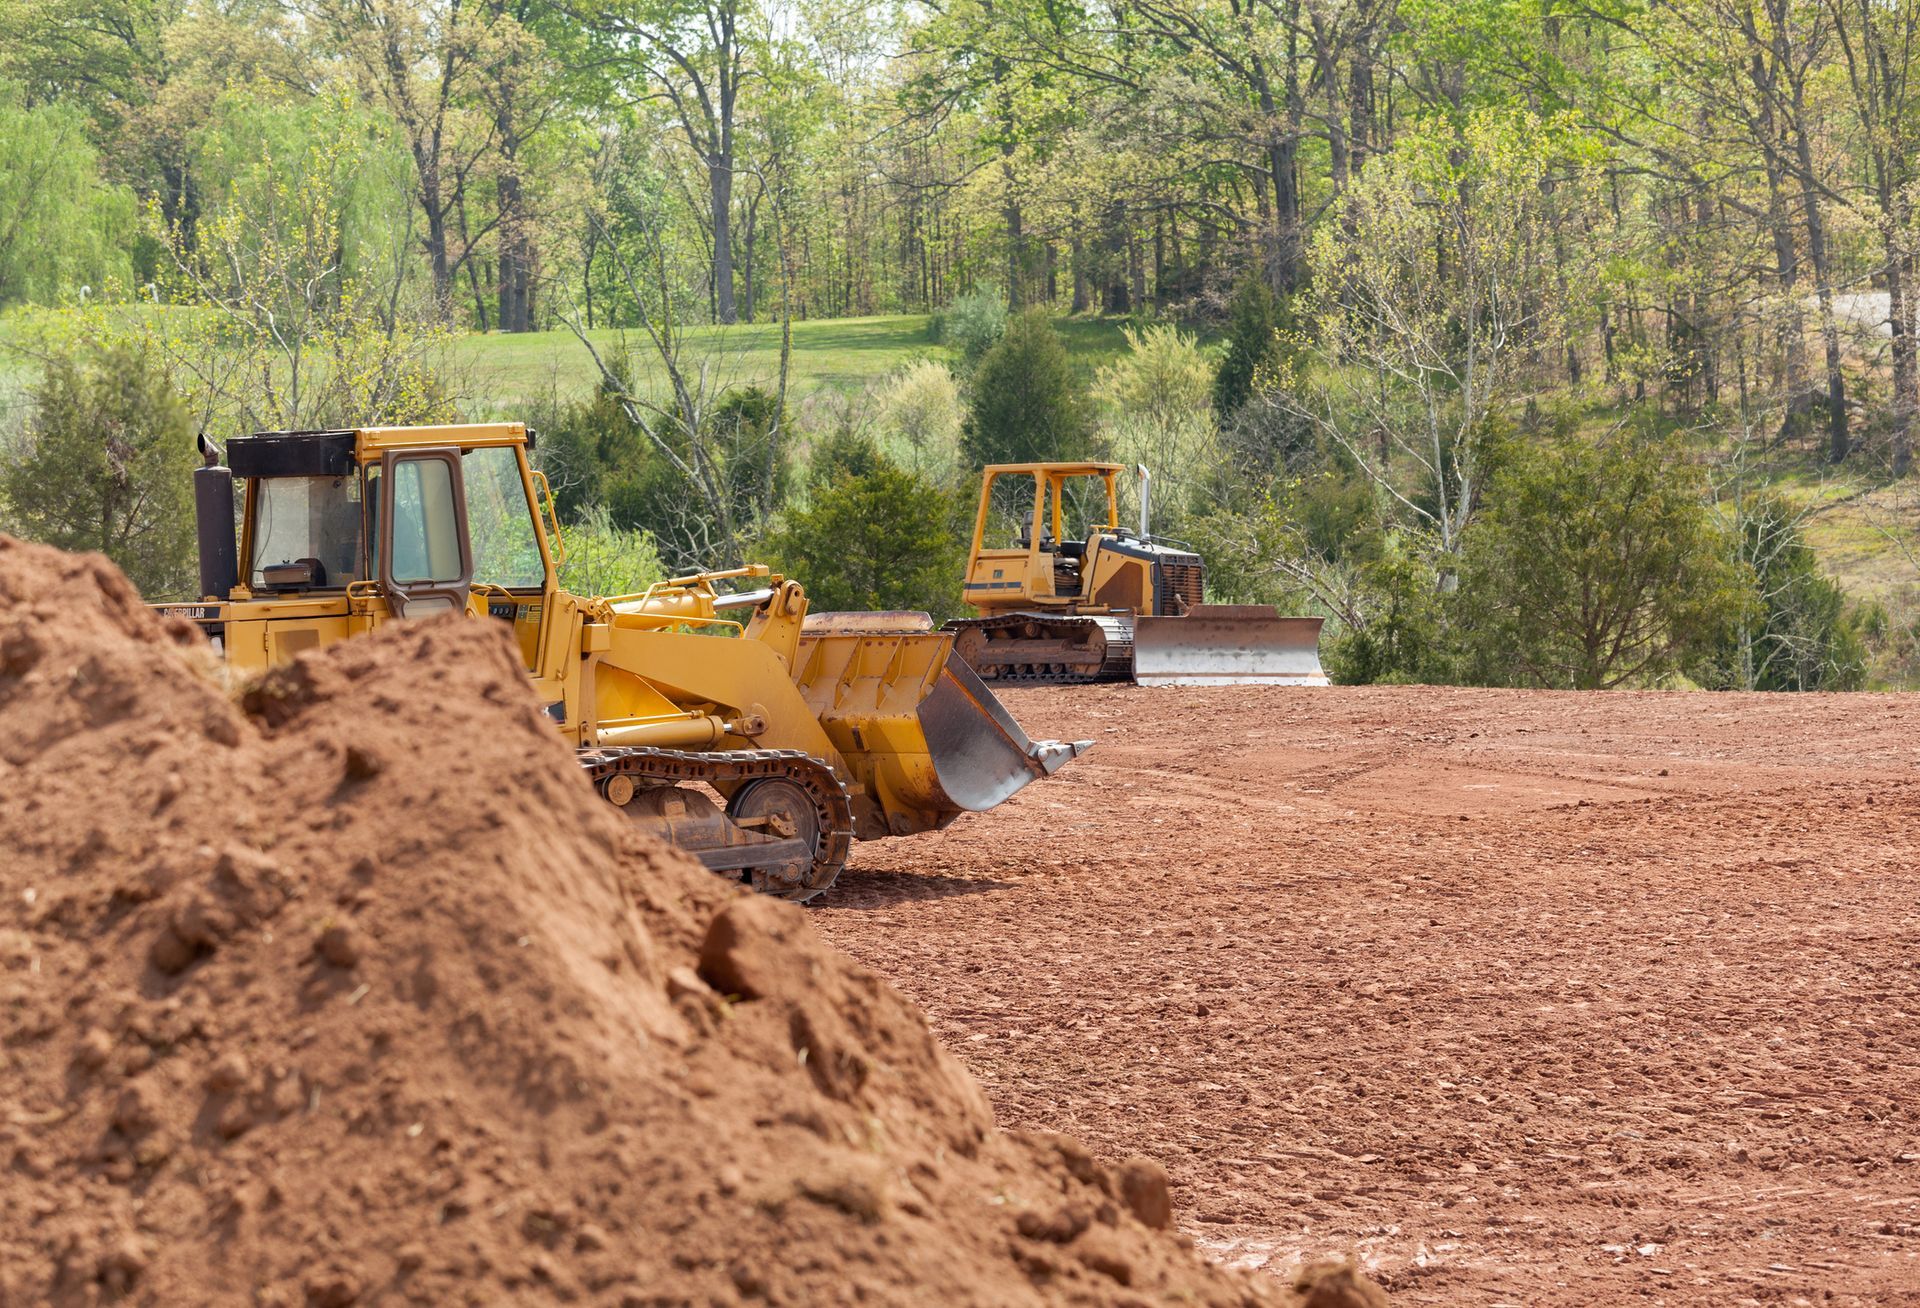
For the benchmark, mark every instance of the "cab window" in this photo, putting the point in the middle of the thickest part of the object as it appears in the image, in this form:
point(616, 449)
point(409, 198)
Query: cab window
point(315, 519)
point(426, 524)
point(1083, 506)
point(1009, 523)
point(500, 519)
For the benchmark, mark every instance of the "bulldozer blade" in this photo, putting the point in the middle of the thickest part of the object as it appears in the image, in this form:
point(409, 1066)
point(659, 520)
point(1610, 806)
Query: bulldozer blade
point(1227, 645)
point(980, 754)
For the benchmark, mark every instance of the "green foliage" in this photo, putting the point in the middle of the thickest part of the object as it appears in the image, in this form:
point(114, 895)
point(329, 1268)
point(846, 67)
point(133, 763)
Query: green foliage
point(1890, 629)
point(62, 229)
point(1594, 565)
point(1256, 319)
point(603, 559)
point(320, 179)
point(597, 457)
point(108, 465)
point(1800, 633)
point(921, 413)
point(586, 450)
point(1404, 636)
point(1270, 434)
point(1431, 314)
point(970, 325)
point(1163, 378)
point(875, 536)
point(293, 302)
point(1027, 403)
point(1156, 406)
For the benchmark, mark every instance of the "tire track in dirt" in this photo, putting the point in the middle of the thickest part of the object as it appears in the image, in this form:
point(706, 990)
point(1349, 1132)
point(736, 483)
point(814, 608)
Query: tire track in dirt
point(1596, 1033)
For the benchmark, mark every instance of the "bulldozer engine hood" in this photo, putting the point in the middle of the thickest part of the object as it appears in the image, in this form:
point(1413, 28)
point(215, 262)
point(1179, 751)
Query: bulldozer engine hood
point(1177, 574)
point(292, 454)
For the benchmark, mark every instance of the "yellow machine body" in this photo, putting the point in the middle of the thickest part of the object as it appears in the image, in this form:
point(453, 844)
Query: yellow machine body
point(343, 532)
point(1110, 604)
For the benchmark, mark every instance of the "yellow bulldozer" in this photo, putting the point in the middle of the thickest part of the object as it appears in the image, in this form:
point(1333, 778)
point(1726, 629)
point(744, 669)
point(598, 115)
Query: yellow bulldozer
point(813, 730)
point(1115, 605)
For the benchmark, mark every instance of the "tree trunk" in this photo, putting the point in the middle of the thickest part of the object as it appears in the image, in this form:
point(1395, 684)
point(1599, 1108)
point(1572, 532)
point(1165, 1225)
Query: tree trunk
point(472, 265)
point(514, 294)
point(720, 187)
point(1906, 393)
point(1016, 254)
point(1113, 266)
point(1839, 440)
point(746, 260)
point(436, 213)
point(1159, 259)
point(1790, 331)
point(1081, 296)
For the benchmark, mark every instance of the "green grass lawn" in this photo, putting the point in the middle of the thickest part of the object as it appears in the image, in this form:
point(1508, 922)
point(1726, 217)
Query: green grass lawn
point(498, 374)
point(500, 371)
point(1867, 533)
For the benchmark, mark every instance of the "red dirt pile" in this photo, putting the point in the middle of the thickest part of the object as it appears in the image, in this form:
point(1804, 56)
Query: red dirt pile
point(355, 993)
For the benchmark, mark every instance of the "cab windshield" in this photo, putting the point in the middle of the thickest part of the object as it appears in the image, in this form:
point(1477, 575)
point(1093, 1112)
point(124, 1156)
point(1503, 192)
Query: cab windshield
point(312, 520)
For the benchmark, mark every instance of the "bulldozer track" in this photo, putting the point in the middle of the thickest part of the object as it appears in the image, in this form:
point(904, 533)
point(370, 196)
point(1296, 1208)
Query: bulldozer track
point(1013, 629)
point(674, 767)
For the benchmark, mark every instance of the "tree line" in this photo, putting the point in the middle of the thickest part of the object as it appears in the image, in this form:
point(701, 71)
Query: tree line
point(1715, 178)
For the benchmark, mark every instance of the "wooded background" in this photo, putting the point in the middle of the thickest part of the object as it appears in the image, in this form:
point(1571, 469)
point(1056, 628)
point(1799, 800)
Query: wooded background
point(1372, 255)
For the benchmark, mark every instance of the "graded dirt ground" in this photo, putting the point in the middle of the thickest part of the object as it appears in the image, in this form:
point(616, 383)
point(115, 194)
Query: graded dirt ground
point(1521, 998)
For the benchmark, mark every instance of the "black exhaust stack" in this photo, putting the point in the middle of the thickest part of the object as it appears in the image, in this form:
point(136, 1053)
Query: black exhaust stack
point(213, 522)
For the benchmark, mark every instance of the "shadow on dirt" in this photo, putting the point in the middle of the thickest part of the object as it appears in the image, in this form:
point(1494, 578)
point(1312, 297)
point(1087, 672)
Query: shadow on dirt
point(883, 888)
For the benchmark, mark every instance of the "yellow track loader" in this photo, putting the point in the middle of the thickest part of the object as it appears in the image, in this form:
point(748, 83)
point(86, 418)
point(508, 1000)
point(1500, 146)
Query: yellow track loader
point(812, 730)
point(1114, 606)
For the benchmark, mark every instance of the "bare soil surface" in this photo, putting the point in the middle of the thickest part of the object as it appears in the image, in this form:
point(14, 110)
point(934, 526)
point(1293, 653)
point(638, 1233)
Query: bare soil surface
point(355, 993)
point(1520, 998)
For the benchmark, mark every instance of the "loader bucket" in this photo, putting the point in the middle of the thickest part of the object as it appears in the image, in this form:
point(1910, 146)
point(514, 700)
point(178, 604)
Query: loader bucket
point(980, 754)
point(924, 736)
point(1228, 645)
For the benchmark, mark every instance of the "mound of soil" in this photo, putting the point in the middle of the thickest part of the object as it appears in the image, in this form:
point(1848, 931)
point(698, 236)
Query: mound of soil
point(354, 992)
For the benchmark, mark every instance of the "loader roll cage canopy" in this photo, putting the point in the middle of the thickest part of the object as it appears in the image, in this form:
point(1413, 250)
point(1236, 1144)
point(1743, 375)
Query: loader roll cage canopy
point(314, 505)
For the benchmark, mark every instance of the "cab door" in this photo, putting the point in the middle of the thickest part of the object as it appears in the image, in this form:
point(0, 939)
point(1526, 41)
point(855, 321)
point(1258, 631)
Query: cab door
point(426, 556)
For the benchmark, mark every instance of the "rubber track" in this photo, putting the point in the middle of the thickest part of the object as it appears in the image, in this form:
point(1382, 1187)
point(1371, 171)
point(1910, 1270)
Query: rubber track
point(675, 767)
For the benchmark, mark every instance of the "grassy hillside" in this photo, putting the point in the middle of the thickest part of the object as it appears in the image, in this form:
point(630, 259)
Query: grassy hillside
point(496, 374)
point(847, 353)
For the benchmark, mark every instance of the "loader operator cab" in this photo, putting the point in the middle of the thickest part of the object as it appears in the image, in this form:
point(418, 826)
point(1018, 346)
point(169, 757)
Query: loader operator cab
point(351, 522)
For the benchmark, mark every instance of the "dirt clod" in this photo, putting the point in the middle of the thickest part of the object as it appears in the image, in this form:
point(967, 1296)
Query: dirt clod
point(340, 944)
point(749, 947)
point(229, 1072)
point(96, 1047)
point(1144, 1189)
point(1336, 1285)
point(333, 1289)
